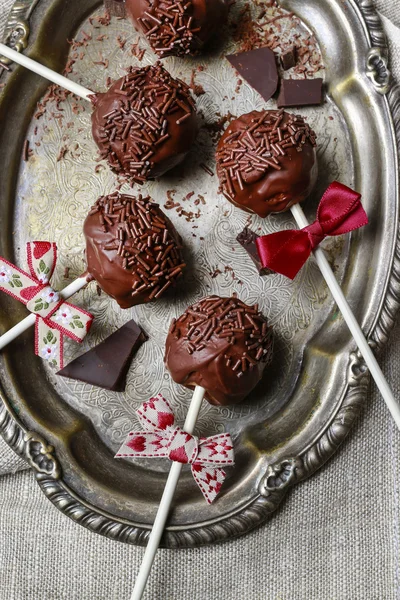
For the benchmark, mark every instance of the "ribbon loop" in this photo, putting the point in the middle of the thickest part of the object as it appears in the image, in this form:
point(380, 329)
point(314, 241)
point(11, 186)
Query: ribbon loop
point(42, 260)
point(340, 211)
point(156, 414)
point(162, 438)
point(54, 317)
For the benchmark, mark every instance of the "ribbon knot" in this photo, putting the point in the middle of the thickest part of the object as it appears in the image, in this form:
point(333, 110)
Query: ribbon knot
point(161, 438)
point(55, 318)
point(316, 234)
point(340, 211)
point(183, 447)
point(45, 302)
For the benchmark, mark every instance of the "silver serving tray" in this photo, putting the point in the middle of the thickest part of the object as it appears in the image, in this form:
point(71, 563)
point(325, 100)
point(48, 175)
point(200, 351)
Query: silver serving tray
point(305, 406)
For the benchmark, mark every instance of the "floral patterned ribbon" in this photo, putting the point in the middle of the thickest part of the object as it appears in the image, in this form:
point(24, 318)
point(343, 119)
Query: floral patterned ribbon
point(162, 439)
point(54, 317)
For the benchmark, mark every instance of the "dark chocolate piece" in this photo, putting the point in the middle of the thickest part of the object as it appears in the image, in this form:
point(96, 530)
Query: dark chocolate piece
point(247, 239)
point(221, 344)
point(107, 364)
point(258, 68)
point(175, 27)
point(289, 58)
point(115, 8)
point(266, 161)
point(300, 92)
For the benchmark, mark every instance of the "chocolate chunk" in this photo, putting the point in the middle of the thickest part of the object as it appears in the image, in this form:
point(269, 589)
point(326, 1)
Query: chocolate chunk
point(247, 239)
point(288, 58)
point(107, 364)
point(258, 68)
point(300, 92)
point(116, 8)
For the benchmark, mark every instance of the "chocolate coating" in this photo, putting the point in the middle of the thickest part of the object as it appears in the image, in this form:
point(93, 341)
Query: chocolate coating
point(132, 249)
point(222, 345)
point(267, 162)
point(177, 28)
point(145, 124)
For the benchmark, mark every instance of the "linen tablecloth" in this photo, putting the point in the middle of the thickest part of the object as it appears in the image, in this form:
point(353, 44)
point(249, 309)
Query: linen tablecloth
point(336, 537)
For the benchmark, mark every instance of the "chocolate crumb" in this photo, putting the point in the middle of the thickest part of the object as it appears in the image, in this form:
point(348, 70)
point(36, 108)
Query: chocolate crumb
point(121, 41)
point(247, 239)
point(198, 89)
point(137, 51)
point(288, 58)
point(62, 153)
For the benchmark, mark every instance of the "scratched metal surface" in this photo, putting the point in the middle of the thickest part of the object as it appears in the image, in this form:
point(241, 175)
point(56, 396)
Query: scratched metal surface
point(308, 383)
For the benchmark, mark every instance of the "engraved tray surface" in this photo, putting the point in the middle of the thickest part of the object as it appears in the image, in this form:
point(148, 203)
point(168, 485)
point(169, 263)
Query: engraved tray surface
point(308, 399)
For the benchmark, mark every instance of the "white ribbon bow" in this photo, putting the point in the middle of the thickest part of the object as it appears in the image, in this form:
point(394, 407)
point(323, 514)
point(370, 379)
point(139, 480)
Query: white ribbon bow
point(161, 438)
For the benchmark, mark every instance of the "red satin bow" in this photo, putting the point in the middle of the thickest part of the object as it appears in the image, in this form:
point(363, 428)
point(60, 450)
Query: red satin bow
point(340, 211)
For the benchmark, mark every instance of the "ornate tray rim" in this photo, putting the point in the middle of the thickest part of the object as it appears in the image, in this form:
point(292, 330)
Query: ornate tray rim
point(41, 457)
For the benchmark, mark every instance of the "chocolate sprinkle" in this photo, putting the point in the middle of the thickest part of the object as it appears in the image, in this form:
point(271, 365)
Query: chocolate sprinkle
point(25, 152)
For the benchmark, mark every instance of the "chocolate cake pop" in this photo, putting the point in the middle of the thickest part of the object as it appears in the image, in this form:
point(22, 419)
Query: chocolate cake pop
point(132, 249)
point(221, 344)
point(145, 124)
point(177, 27)
point(266, 161)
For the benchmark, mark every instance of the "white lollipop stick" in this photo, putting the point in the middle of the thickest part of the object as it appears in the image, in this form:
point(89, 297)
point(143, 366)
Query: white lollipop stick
point(351, 322)
point(45, 72)
point(165, 504)
point(22, 326)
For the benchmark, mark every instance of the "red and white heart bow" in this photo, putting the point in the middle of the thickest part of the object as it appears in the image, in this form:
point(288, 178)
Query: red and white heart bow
point(54, 317)
point(161, 438)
